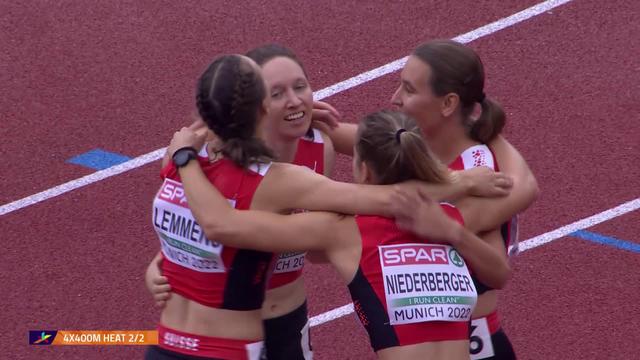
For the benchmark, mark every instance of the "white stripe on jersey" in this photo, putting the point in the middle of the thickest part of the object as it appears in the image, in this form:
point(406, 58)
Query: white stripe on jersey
point(260, 168)
point(478, 155)
point(317, 137)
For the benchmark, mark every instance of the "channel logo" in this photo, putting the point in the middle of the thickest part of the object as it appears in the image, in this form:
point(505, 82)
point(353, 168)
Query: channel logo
point(42, 337)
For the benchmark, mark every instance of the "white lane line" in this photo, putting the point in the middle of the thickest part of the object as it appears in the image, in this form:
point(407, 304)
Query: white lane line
point(524, 246)
point(83, 181)
point(318, 95)
point(580, 225)
point(331, 315)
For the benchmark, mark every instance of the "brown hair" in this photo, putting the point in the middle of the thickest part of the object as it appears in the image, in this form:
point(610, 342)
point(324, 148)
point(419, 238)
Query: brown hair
point(456, 68)
point(229, 95)
point(391, 145)
point(265, 53)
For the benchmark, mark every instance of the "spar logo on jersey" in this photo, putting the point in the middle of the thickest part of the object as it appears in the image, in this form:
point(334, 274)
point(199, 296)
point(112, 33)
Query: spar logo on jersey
point(173, 192)
point(455, 258)
point(414, 254)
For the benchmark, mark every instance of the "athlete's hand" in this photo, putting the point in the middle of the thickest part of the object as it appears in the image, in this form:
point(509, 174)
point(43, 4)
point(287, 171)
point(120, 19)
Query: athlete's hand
point(416, 212)
point(197, 122)
point(324, 113)
point(199, 125)
point(187, 137)
point(157, 284)
point(485, 182)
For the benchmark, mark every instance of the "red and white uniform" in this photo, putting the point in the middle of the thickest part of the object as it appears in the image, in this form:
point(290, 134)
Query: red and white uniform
point(481, 155)
point(310, 153)
point(202, 269)
point(407, 290)
point(483, 328)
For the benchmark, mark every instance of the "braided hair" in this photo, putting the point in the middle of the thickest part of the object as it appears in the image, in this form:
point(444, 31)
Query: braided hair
point(229, 95)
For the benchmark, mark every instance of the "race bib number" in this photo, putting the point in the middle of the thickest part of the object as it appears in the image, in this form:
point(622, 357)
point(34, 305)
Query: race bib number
point(426, 282)
point(480, 344)
point(181, 237)
point(289, 262)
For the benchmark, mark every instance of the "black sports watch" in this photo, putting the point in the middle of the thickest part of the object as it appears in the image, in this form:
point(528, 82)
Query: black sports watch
point(182, 156)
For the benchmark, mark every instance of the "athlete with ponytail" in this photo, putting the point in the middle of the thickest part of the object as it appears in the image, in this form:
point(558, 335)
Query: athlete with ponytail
point(442, 83)
point(214, 311)
point(393, 276)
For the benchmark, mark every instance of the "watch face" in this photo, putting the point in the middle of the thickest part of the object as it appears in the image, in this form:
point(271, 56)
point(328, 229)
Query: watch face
point(182, 157)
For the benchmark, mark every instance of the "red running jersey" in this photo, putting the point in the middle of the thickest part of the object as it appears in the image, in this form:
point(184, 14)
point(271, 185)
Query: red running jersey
point(481, 155)
point(408, 290)
point(310, 153)
point(202, 269)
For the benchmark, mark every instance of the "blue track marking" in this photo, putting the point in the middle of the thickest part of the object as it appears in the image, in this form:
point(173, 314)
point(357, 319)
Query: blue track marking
point(605, 240)
point(98, 159)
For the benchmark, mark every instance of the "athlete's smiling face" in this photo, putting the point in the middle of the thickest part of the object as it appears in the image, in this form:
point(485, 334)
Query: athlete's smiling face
point(291, 97)
point(415, 96)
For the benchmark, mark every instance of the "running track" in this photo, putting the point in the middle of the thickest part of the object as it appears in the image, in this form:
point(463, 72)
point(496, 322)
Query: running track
point(119, 76)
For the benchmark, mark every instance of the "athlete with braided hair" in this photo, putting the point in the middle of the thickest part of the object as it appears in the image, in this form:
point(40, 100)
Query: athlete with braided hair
point(218, 291)
point(413, 295)
point(288, 132)
point(215, 309)
point(286, 129)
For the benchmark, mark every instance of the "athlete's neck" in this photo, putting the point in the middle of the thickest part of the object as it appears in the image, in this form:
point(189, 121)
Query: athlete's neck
point(449, 141)
point(284, 148)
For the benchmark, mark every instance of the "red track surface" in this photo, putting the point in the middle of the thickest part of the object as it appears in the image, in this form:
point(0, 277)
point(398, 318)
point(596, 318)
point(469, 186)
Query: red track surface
point(120, 76)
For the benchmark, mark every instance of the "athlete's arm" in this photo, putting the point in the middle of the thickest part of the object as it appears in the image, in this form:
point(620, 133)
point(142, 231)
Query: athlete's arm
point(294, 187)
point(329, 155)
point(287, 187)
point(291, 187)
point(343, 136)
point(487, 257)
point(425, 218)
point(254, 229)
point(265, 231)
point(487, 214)
point(478, 181)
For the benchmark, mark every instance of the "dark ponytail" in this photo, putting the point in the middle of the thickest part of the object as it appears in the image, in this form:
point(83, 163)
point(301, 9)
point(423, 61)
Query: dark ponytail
point(489, 124)
point(391, 145)
point(229, 96)
point(456, 68)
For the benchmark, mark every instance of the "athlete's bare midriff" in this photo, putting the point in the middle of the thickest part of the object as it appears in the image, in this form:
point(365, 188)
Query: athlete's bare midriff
point(450, 350)
point(191, 317)
point(284, 299)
